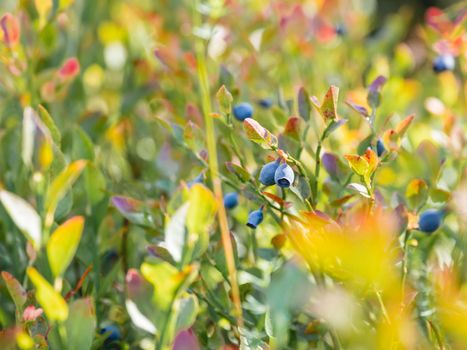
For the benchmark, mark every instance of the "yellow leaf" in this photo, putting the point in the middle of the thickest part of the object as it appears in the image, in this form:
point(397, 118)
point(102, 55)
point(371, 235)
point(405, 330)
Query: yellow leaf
point(402, 127)
point(357, 163)
point(50, 300)
point(372, 159)
point(46, 154)
point(201, 210)
point(43, 8)
point(63, 243)
point(60, 186)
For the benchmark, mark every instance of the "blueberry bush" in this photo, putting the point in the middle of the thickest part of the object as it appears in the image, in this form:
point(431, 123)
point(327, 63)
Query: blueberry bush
point(214, 174)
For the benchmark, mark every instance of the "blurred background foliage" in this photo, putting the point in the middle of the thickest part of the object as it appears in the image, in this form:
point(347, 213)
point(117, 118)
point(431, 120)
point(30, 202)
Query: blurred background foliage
point(102, 132)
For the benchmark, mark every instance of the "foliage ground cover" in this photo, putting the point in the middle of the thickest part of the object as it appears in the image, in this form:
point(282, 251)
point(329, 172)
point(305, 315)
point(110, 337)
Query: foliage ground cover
point(232, 175)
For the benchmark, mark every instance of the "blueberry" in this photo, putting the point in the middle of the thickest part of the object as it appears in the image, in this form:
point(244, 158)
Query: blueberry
point(242, 111)
point(111, 332)
point(340, 30)
point(443, 63)
point(266, 175)
point(265, 103)
point(231, 200)
point(380, 149)
point(197, 180)
point(284, 176)
point(430, 220)
point(255, 218)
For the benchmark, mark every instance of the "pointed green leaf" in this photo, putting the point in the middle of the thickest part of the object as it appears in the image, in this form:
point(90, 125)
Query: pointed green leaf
point(60, 185)
point(81, 324)
point(50, 124)
point(329, 105)
point(16, 290)
point(63, 243)
point(304, 105)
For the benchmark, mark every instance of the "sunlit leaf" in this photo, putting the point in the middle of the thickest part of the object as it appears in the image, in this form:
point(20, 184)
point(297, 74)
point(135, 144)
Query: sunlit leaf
point(138, 319)
point(60, 185)
point(257, 133)
point(50, 300)
point(43, 8)
point(329, 105)
point(63, 244)
point(357, 163)
point(27, 148)
point(402, 127)
point(416, 193)
point(50, 124)
point(175, 232)
point(201, 211)
point(24, 216)
point(224, 99)
point(168, 282)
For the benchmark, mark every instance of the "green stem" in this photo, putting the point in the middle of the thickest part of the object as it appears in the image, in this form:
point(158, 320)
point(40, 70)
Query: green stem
point(214, 169)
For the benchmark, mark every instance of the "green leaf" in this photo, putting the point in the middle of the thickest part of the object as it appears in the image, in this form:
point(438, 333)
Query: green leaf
point(201, 213)
point(60, 185)
point(16, 290)
point(81, 324)
point(416, 193)
point(24, 216)
point(83, 147)
point(63, 244)
point(50, 124)
point(329, 106)
point(304, 105)
point(132, 209)
point(224, 99)
point(168, 281)
point(257, 133)
point(187, 310)
point(241, 173)
point(50, 300)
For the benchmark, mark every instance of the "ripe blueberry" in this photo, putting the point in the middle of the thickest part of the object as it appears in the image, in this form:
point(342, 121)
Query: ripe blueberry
point(443, 63)
point(266, 175)
point(197, 180)
point(231, 200)
point(242, 111)
point(380, 149)
point(284, 176)
point(255, 218)
point(111, 332)
point(430, 220)
point(265, 103)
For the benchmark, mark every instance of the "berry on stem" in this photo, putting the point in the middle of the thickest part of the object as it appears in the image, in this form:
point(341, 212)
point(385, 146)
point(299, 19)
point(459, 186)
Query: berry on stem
point(231, 200)
point(430, 220)
point(284, 176)
point(255, 218)
point(266, 175)
point(242, 111)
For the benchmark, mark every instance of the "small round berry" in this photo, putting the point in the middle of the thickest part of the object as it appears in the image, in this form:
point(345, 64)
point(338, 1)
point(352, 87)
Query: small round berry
point(231, 200)
point(443, 63)
point(111, 332)
point(380, 149)
point(266, 175)
point(197, 180)
point(265, 103)
point(284, 176)
point(255, 218)
point(430, 220)
point(340, 30)
point(242, 111)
